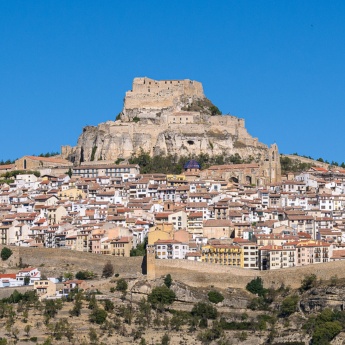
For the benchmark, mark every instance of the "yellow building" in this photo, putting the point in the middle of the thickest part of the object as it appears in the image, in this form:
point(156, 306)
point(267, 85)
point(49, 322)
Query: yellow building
point(72, 194)
point(222, 254)
point(44, 289)
point(163, 231)
point(117, 247)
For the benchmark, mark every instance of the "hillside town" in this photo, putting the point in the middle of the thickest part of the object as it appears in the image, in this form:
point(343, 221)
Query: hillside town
point(219, 215)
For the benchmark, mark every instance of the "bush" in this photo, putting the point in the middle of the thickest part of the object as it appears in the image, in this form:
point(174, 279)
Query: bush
point(204, 310)
point(168, 280)
point(256, 286)
point(308, 282)
point(215, 297)
point(5, 253)
point(84, 275)
point(98, 316)
point(121, 285)
point(288, 306)
point(160, 296)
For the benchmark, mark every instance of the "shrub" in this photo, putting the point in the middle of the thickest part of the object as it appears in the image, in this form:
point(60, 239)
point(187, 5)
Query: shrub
point(288, 306)
point(84, 275)
point(98, 316)
point(256, 286)
point(5, 253)
point(308, 282)
point(204, 310)
point(215, 297)
point(121, 285)
point(168, 280)
point(160, 296)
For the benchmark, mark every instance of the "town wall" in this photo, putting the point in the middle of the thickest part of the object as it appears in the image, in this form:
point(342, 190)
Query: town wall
point(205, 274)
point(57, 261)
point(54, 262)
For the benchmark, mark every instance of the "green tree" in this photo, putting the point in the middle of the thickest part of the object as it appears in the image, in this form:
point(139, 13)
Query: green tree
point(325, 332)
point(68, 275)
point(98, 316)
point(140, 250)
point(85, 275)
point(168, 280)
point(50, 308)
point(256, 286)
point(26, 280)
point(121, 285)
point(215, 297)
point(76, 310)
point(204, 310)
point(161, 296)
point(108, 305)
point(5, 253)
point(308, 282)
point(69, 172)
point(289, 305)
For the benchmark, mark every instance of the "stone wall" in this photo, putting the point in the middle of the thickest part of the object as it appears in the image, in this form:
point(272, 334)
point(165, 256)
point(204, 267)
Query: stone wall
point(149, 93)
point(7, 292)
point(54, 262)
point(204, 274)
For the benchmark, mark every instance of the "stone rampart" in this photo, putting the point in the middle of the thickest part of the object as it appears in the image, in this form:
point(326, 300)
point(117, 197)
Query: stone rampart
point(204, 274)
point(57, 261)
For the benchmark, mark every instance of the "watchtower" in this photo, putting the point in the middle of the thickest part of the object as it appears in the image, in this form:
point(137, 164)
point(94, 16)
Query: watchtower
point(151, 261)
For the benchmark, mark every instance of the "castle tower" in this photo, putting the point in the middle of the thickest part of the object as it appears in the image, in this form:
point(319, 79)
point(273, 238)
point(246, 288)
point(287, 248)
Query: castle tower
point(151, 261)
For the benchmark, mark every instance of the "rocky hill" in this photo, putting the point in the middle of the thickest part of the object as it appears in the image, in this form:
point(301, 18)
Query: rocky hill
point(168, 117)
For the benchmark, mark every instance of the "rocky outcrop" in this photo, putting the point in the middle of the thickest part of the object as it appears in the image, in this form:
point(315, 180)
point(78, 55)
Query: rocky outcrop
point(167, 117)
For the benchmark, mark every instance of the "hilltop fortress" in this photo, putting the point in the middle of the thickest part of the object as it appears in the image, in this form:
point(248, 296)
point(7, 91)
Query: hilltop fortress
point(172, 117)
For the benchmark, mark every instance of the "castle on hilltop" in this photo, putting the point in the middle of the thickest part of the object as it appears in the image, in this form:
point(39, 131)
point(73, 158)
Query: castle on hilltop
point(173, 117)
point(151, 93)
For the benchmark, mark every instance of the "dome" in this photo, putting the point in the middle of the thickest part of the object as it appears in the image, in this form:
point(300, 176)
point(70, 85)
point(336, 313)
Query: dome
point(192, 164)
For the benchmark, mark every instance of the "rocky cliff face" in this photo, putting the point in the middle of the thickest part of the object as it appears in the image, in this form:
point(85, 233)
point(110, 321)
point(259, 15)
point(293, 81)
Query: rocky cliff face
point(166, 117)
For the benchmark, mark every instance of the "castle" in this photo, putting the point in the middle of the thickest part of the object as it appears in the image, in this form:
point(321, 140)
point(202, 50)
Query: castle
point(173, 117)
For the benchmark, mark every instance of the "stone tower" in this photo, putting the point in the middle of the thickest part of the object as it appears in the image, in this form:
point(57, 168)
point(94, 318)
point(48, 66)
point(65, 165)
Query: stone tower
point(271, 165)
point(151, 261)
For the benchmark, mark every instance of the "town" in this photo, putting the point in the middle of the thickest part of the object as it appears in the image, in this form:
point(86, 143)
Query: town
point(223, 215)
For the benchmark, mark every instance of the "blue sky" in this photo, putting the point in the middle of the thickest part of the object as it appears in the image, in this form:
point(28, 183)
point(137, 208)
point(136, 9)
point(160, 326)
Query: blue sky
point(277, 64)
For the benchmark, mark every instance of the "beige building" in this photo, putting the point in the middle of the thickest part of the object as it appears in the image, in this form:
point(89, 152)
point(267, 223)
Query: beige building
point(72, 194)
point(111, 170)
point(163, 231)
point(44, 289)
point(217, 228)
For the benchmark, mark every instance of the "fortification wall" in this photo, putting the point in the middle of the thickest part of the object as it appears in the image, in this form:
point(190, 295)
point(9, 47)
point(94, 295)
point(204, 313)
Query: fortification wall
point(149, 93)
point(204, 274)
point(57, 261)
